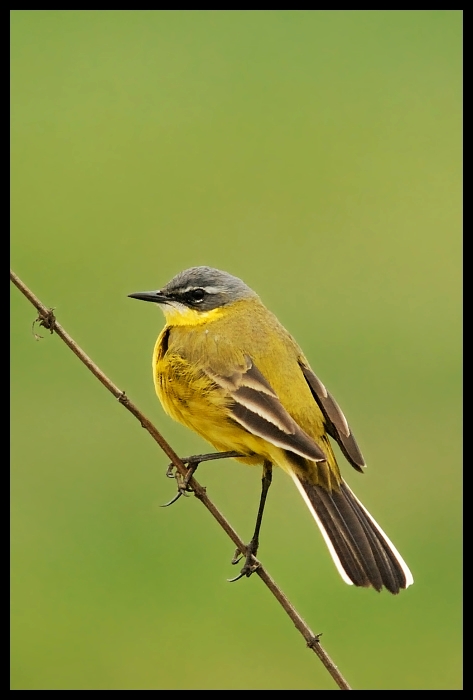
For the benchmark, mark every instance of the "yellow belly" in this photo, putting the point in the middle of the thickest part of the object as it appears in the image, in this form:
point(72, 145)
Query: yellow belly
point(191, 398)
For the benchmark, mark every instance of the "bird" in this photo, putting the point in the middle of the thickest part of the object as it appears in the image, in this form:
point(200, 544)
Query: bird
point(226, 368)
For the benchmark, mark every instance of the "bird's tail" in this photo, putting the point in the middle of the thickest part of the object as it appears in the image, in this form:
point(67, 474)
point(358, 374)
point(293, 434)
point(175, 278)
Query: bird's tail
point(362, 553)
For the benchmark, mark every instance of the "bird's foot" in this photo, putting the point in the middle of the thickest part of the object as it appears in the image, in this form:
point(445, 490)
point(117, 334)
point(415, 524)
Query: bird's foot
point(183, 487)
point(251, 563)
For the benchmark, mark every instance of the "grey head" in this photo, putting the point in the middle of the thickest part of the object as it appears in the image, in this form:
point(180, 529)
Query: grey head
point(201, 288)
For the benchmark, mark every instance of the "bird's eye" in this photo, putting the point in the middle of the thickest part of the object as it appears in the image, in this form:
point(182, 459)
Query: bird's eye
point(197, 295)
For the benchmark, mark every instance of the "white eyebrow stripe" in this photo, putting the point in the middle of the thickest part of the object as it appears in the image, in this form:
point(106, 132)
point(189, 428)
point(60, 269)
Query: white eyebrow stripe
point(209, 290)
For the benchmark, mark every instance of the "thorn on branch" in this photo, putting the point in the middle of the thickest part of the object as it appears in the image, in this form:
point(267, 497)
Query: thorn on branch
point(47, 321)
point(314, 641)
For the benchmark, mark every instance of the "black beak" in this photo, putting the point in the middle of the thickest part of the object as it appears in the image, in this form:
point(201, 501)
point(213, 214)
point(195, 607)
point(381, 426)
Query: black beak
point(157, 296)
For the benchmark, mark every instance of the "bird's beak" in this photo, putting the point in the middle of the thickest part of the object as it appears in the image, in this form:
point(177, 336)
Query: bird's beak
point(157, 296)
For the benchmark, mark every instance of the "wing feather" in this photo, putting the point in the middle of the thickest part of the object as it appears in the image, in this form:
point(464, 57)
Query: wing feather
point(257, 408)
point(337, 426)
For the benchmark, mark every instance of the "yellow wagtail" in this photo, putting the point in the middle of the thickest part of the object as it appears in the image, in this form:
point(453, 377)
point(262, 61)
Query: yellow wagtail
point(225, 367)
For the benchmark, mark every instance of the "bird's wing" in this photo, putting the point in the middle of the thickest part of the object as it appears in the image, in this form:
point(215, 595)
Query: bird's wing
point(336, 423)
point(256, 407)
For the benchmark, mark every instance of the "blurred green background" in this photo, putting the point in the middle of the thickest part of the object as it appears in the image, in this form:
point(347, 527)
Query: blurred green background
point(317, 155)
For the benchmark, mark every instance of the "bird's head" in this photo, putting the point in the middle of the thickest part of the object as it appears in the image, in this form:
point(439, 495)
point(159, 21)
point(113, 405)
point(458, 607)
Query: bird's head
point(197, 295)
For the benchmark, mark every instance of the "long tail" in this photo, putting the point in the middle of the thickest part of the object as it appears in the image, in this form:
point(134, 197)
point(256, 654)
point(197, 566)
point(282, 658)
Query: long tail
point(362, 553)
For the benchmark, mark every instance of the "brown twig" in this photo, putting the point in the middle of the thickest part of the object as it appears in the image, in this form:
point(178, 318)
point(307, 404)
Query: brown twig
point(47, 320)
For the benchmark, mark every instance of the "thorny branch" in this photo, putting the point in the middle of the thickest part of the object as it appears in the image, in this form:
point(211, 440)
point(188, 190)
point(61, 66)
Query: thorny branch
point(47, 320)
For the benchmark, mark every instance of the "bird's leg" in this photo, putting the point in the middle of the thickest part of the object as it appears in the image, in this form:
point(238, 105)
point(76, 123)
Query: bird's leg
point(192, 464)
point(252, 547)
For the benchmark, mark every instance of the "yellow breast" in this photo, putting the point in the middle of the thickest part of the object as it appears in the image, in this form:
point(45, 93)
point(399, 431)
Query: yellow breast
point(189, 396)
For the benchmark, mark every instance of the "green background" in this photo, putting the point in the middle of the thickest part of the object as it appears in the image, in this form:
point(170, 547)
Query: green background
point(317, 155)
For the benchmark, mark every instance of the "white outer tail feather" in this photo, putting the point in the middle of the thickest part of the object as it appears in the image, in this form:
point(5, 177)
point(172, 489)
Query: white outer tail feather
point(402, 563)
point(336, 560)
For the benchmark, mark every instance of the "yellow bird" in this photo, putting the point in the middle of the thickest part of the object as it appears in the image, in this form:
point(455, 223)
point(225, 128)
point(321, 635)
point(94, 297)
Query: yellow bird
point(226, 368)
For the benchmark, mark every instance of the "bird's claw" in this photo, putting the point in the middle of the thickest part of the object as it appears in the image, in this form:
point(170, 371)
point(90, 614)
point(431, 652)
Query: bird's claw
point(247, 570)
point(173, 500)
point(170, 471)
point(250, 565)
point(237, 556)
point(183, 487)
point(192, 463)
